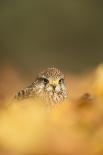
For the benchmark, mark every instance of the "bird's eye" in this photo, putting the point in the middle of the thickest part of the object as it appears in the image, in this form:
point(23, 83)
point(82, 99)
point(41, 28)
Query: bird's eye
point(45, 80)
point(61, 81)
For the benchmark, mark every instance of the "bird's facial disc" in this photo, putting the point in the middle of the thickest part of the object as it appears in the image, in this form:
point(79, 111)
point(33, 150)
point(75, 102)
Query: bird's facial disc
point(54, 85)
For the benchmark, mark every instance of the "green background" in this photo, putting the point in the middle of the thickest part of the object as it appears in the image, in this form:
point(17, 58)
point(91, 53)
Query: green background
point(35, 34)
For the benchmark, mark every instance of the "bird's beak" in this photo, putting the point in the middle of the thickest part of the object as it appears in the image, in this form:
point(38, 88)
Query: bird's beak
point(53, 82)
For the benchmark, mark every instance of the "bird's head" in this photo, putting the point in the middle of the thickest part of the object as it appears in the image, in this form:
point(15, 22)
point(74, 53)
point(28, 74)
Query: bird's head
point(52, 82)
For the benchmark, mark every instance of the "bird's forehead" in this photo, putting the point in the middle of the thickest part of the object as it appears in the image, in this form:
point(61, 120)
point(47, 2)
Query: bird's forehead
point(52, 73)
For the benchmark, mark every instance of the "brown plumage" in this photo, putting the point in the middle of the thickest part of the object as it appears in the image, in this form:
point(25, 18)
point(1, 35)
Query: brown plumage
point(49, 86)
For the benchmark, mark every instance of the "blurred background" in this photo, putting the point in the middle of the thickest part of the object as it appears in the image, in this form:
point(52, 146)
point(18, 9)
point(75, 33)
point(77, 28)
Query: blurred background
point(34, 35)
point(41, 33)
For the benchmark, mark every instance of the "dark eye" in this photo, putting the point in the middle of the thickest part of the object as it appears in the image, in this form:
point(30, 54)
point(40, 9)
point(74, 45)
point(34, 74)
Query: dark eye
point(61, 81)
point(44, 80)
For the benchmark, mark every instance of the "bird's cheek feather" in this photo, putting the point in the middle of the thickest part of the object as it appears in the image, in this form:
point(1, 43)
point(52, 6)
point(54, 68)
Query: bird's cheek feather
point(63, 87)
point(48, 88)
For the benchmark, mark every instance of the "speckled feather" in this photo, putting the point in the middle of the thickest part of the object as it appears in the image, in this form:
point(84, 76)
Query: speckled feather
point(39, 89)
point(51, 72)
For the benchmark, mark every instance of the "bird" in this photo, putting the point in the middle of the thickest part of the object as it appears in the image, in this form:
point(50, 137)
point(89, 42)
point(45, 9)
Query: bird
point(49, 85)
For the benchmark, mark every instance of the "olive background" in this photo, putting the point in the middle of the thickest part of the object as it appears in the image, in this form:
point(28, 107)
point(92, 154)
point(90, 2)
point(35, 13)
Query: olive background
point(36, 34)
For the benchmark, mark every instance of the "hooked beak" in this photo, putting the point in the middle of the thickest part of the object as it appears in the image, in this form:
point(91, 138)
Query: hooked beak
point(53, 83)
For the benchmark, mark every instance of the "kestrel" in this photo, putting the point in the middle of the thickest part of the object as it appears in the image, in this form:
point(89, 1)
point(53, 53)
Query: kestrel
point(49, 86)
